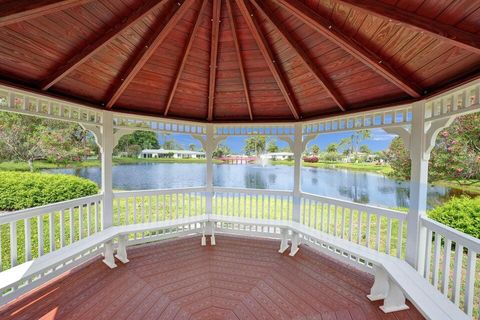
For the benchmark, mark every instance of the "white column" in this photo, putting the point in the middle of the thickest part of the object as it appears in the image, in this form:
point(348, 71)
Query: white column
point(297, 169)
point(209, 147)
point(415, 255)
point(107, 154)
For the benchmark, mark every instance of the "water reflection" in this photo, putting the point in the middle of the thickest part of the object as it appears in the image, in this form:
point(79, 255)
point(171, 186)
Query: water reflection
point(360, 187)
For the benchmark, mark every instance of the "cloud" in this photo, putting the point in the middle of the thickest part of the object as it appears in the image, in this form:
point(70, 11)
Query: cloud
point(381, 135)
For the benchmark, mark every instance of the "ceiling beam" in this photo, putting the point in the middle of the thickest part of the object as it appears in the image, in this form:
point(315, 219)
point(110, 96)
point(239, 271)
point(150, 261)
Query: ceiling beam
point(239, 58)
point(359, 51)
point(65, 68)
point(267, 53)
point(213, 56)
point(21, 10)
point(443, 32)
point(186, 52)
point(301, 53)
point(173, 15)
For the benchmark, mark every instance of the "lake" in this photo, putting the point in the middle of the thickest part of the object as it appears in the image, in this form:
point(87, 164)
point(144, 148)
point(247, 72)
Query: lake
point(362, 187)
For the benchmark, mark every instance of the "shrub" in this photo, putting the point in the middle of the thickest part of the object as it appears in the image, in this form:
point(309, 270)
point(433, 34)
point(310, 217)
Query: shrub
point(20, 190)
point(310, 159)
point(461, 213)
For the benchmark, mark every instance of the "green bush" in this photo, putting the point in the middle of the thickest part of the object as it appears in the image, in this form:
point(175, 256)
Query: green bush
point(461, 213)
point(20, 190)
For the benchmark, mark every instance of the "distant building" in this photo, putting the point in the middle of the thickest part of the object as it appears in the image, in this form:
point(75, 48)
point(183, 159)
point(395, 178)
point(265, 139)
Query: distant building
point(278, 156)
point(174, 154)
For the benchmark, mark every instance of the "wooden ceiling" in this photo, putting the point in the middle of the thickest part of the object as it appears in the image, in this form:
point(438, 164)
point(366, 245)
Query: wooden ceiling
point(239, 60)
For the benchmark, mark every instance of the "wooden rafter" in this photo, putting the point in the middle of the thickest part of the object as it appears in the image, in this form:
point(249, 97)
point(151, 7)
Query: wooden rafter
point(65, 68)
point(21, 10)
point(301, 53)
point(254, 28)
point(366, 56)
point(169, 20)
point(213, 56)
point(186, 52)
point(435, 29)
point(239, 58)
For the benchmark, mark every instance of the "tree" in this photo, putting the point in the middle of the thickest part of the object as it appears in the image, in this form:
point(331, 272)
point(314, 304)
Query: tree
point(221, 150)
point(255, 145)
point(365, 149)
point(332, 148)
point(141, 139)
point(272, 146)
point(315, 149)
point(352, 143)
point(169, 145)
point(192, 147)
point(456, 155)
point(27, 138)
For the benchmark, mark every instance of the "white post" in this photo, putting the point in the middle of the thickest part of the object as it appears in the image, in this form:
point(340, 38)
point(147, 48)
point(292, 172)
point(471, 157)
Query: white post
point(107, 154)
point(297, 169)
point(209, 147)
point(415, 255)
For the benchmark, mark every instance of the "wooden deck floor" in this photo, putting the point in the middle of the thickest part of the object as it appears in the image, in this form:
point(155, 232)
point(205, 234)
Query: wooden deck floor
point(237, 279)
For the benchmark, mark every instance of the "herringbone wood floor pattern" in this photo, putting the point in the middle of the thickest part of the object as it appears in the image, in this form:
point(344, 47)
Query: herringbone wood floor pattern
point(239, 278)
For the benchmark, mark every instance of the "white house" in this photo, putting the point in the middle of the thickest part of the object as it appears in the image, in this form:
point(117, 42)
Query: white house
point(175, 154)
point(278, 156)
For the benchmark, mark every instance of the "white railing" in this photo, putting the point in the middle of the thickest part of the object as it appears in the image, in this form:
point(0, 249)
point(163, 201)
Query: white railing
point(31, 233)
point(131, 207)
point(378, 228)
point(457, 278)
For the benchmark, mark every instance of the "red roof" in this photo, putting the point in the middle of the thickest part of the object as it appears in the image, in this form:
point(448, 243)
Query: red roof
point(237, 60)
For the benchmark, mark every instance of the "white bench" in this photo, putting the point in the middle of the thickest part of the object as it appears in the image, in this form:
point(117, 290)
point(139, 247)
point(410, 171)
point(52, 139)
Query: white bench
point(394, 278)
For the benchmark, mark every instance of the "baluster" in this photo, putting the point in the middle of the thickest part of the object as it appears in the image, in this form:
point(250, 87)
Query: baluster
point(51, 226)
point(350, 233)
point(88, 218)
point(143, 211)
point(28, 240)
point(446, 266)
point(116, 217)
point(457, 274)
point(367, 232)
point(244, 205)
point(329, 207)
point(359, 226)
point(342, 210)
point(170, 210)
point(157, 208)
point(251, 205)
point(13, 244)
point(62, 228)
point(134, 214)
point(335, 224)
point(378, 235)
point(399, 238)
point(72, 227)
point(316, 215)
point(257, 198)
point(428, 255)
point(263, 206)
point(322, 216)
point(269, 197)
point(436, 259)
point(389, 236)
point(470, 282)
point(164, 208)
point(96, 216)
point(150, 216)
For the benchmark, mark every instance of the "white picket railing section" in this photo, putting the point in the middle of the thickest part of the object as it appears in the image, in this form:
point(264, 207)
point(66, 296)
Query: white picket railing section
point(457, 278)
point(31, 233)
point(131, 207)
point(378, 228)
point(451, 256)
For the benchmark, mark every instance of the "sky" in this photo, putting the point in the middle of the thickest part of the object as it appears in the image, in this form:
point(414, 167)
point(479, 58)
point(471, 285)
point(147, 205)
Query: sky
point(380, 140)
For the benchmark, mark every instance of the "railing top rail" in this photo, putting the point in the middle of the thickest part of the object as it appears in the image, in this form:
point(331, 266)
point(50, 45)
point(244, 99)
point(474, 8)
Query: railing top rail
point(148, 192)
point(358, 206)
point(458, 237)
point(253, 191)
point(33, 212)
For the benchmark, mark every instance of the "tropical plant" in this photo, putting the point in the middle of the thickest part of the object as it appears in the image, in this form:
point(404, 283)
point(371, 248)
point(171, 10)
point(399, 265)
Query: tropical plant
point(315, 149)
point(255, 145)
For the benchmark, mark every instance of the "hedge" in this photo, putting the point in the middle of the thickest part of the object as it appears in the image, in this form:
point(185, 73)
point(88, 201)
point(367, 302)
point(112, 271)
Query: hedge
point(461, 213)
point(20, 190)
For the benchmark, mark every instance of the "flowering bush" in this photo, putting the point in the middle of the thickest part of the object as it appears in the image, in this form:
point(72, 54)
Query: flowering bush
point(310, 159)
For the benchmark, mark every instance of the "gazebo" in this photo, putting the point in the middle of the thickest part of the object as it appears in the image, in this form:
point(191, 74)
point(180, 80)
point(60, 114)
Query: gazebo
point(294, 69)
